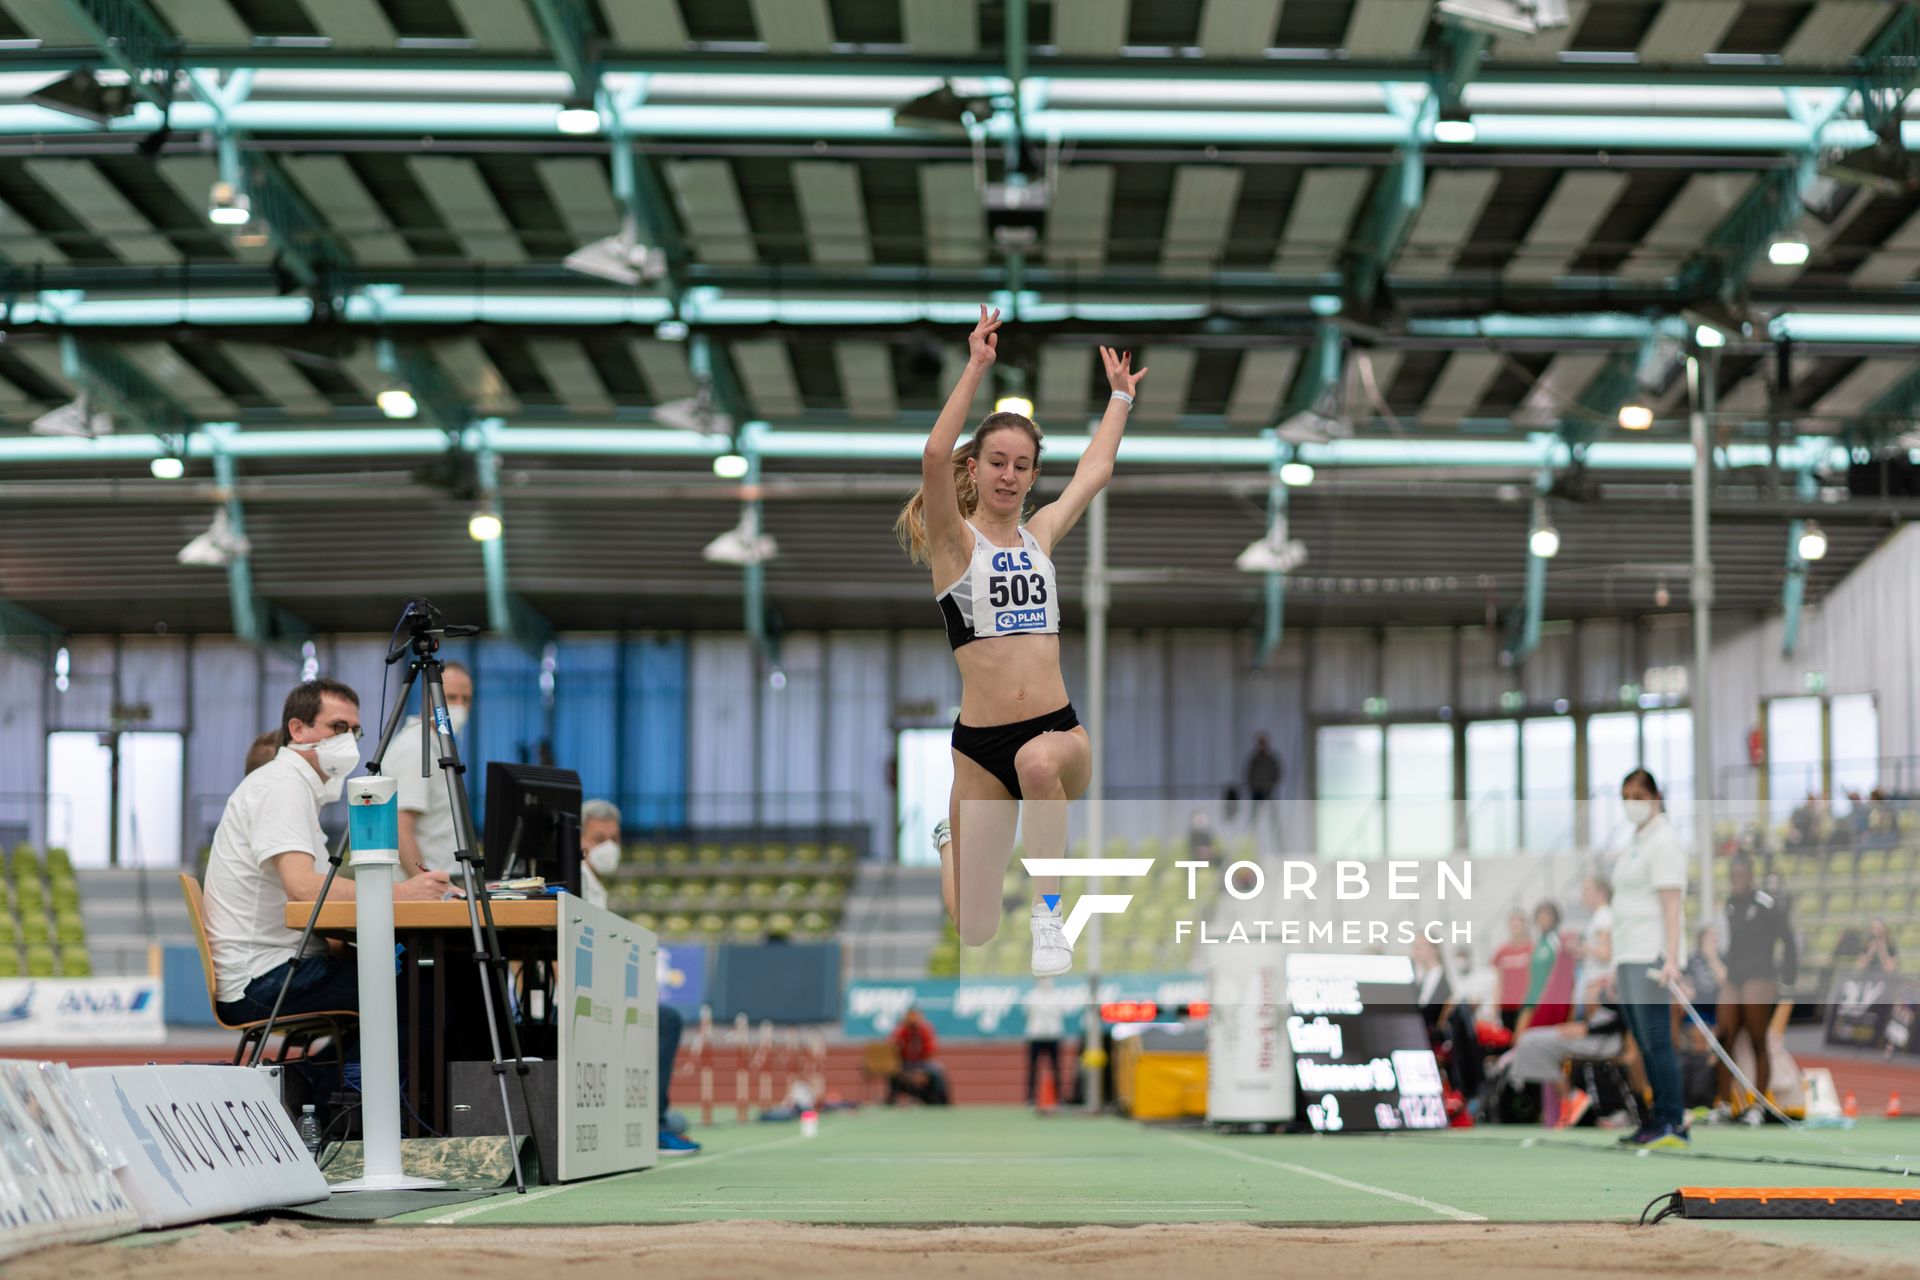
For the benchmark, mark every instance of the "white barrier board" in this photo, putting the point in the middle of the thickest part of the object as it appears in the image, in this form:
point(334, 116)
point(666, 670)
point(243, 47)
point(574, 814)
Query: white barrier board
point(199, 1142)
point(608, 998)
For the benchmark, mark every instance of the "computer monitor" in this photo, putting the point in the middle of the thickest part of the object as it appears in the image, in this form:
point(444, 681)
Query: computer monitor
point(533, 823)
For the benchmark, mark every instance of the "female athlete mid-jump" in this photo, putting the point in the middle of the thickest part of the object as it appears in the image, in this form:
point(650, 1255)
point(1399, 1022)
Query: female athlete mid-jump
point(1017, 738)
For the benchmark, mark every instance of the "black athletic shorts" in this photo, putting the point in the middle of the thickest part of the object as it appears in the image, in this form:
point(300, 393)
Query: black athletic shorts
point(993, 748)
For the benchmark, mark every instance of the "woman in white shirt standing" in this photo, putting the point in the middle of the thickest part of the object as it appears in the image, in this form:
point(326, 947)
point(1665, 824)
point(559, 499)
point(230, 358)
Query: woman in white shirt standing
point(1649, 882)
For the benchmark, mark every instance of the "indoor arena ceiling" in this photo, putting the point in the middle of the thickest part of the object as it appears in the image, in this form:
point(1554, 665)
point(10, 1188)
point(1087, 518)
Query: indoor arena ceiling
point(1353, 211)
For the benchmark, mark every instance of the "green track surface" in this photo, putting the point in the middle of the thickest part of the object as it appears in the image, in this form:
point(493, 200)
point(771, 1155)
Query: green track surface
point(986, 1166)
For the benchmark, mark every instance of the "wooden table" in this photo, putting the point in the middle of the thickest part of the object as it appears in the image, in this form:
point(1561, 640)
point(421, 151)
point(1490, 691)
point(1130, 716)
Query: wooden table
point(514, 913)
point(438, 964)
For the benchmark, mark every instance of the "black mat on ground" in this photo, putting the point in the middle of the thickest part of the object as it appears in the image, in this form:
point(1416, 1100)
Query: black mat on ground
point(377, 1206)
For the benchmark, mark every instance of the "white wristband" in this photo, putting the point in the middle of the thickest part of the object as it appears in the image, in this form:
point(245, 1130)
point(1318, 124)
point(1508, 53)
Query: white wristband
point(1121, 395)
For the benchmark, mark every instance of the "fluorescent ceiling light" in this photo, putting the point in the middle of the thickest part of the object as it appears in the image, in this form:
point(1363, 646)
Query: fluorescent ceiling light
point(1296, 475)
point(167, 468)
point(1813, 543)
point(1635, 416)
point(484, 526)
point(1709, 338)
point(1544, 542)
point(397, 402)
point(1014, 404)
point(577, 120)
point(730, 466)
point(1455, 132)
point(1789, 253)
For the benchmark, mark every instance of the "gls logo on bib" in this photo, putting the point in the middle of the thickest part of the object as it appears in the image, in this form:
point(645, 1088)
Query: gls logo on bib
point(1012, 561)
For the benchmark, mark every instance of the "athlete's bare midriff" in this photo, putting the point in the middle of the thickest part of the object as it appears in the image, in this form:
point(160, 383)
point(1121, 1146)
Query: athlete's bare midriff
point(1007, 679)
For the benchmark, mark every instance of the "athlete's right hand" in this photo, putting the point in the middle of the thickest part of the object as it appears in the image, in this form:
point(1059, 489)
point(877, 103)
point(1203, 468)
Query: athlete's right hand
point(983, 342)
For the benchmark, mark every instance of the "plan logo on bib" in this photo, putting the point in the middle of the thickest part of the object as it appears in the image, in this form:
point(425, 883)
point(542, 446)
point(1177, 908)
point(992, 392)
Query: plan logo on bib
point(1090, 904)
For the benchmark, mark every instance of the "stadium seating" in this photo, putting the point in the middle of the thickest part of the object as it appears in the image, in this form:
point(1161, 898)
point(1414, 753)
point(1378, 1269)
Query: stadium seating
point(711, 889)
point(42, 933)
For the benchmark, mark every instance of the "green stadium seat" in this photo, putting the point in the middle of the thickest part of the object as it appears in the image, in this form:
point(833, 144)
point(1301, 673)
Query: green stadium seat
point(1871, 862)
point(775, 853)
point(709, 855)
point(1839, 865)
point(1900, 861)
point(676, 855)
point(840, 854)
point(34, 930)
point(41, 962)
point(75, 962)
point(741, 855)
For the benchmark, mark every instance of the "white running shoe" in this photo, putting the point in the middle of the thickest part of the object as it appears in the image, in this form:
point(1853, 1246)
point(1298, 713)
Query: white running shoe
point(942, 835)
point(1052, 953)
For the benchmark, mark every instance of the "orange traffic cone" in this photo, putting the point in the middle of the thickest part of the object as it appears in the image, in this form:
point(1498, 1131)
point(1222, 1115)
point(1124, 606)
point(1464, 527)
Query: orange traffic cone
point(1893, 1106)
point(1048, 1095)
point(1850, 1108)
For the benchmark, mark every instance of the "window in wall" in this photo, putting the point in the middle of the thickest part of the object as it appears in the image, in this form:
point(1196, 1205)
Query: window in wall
point(1419, 790)
point(1546, 802)
point(1493, 786)
point(925, 776)
point(1667, 751)
point(1613, 750)
point(1854, 724)
point(1347, 814)
point(80, 788)
point(1794, 765)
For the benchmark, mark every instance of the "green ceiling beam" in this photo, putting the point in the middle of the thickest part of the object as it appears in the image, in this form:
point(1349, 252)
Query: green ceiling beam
point(508, 614)
point(1320, 372)
point(1458, 64)
point(257, 621)
point(568, 27)
point(1891, 71)
point(130, 39)
point(108, 379)
point(1892, 415)
point(1793, 595)
point(1771, 207)
point(1389, 217)
point(439, 400)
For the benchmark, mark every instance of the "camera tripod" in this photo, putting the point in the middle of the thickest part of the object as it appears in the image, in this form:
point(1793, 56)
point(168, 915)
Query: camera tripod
point(424, 626)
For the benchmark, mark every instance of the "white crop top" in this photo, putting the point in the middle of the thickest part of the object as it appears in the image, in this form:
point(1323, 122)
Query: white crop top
point(1006, 591)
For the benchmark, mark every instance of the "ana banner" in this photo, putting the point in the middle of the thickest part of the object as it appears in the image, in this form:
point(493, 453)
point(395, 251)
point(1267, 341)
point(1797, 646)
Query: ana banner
point(996, 1008)
point(81, 1011)
point(57, 1183)
point(200, 1142)
point(609, 1043)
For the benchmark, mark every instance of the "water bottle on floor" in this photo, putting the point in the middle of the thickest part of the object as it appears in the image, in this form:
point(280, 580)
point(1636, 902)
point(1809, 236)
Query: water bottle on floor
point(309, 1126)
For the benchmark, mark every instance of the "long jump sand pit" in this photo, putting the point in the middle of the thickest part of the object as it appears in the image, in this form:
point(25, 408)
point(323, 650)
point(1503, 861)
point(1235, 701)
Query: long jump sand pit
point(758, 1250)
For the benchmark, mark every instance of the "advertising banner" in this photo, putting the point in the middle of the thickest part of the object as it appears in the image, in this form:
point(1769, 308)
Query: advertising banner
point(200, 1142)
point(1249, 1063)
point(57, 1183)
point(81, 1011)
point(608, 998)
point(996, 1008)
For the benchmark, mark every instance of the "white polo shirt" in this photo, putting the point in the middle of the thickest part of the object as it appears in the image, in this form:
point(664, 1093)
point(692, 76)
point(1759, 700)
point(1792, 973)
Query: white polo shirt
point(1652, 861)
point(426, 798)
point(274, 810)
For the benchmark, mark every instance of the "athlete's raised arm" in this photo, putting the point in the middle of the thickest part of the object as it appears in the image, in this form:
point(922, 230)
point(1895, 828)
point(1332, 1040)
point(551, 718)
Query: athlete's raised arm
point(1095, 468)
point(946, 527)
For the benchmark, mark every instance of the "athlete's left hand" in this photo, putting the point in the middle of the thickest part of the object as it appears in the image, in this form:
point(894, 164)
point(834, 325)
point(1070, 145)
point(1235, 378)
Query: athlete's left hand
point(1118, 375)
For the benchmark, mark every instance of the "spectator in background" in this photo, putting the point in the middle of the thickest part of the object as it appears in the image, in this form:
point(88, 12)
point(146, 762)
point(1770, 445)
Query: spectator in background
point(1046, 1024)
point(266, 853)
point(1200, 837)
point(1883, 826)
point(1649, 951)
point(262, 749)
point(1804, 824)
point(1473, 988)
point(599, 833)
point(1449, 1022)
point(1510, 961)
point(1596, 940)
point(1544, 1005)
point(599, 848)
point(1880, 954)
point(1263, 784)
point(1760, 959)
point(1706, 975)
point(429, 836)
point(920, 1075)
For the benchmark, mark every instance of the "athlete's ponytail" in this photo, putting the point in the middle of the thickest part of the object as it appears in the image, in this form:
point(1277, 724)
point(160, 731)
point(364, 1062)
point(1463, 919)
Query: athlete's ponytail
point(910, 527)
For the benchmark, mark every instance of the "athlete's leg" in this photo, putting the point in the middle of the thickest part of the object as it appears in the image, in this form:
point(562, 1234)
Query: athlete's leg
point(1054, 768)
point(984, 817)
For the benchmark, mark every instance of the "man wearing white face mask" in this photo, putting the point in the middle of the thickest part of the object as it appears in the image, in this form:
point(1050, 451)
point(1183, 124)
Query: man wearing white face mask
point(266, 853)
point(428, 835)
point(599, 848)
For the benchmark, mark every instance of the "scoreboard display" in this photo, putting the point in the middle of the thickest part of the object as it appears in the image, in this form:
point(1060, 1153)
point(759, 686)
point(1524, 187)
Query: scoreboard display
point(1361, 1057)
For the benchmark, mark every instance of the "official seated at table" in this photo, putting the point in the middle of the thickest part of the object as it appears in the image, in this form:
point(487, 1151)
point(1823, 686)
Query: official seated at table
point(266, 853)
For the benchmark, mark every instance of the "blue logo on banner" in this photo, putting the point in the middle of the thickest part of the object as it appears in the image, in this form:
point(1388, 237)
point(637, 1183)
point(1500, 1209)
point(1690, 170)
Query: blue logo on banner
point(583, 959)
point(1020, 620)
